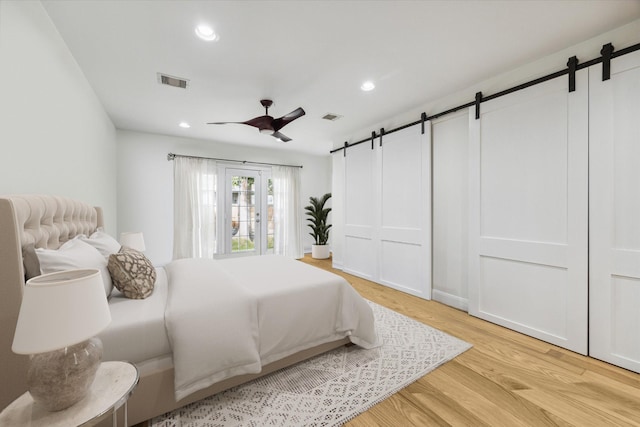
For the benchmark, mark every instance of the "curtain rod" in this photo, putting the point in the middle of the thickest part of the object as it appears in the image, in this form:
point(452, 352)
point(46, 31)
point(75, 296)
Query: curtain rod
point(610, 55)
point(172, 156)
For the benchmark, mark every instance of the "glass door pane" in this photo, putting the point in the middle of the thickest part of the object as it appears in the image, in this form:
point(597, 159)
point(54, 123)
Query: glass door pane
point(244, 209)
point(248, 222)
point(243, 214)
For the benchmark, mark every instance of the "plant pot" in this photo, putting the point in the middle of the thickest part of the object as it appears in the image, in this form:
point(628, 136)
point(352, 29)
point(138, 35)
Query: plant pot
point(320, 251)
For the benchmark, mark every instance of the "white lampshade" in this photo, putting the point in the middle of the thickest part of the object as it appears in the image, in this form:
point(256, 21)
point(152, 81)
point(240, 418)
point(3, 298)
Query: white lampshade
point(59, 310)
point(133, 240)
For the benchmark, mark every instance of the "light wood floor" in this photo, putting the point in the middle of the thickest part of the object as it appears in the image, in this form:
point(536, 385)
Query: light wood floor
point(506, 379)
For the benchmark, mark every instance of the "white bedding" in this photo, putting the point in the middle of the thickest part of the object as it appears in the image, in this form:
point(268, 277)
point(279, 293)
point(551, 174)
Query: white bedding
point(323, 306)
point(137, 331)
point(230, 317)
point(212, 325)
point(233, 316)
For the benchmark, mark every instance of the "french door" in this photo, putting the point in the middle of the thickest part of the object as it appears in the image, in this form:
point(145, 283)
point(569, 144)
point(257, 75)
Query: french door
point(248, 221)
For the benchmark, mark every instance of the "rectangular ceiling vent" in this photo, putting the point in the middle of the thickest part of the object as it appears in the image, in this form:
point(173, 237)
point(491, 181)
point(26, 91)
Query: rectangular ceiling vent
point(168, 80)
point(331, 117)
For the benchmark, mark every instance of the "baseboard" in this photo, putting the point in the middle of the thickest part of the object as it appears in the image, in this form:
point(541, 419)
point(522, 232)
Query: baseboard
point(450, 300)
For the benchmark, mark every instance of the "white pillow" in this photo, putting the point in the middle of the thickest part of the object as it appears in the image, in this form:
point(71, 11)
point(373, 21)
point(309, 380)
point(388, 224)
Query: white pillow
point(73, 255)
point(104, 243)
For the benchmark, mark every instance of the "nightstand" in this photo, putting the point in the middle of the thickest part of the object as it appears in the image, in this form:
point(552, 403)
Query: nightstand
point(111, 389)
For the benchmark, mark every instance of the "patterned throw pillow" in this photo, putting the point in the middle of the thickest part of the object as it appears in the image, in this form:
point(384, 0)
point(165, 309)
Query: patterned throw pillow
point(132, 273)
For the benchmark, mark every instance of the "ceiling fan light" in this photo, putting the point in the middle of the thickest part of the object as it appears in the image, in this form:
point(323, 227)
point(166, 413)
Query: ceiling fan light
point(205, 32)
point(267, 131)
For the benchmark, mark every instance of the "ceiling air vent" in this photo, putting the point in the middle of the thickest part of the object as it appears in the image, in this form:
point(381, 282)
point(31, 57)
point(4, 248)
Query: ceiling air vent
point(331, 117)
point(168, 80)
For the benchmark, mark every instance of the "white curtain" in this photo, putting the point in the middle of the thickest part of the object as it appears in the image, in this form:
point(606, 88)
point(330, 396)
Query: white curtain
point(194, 207)
point(287, 211)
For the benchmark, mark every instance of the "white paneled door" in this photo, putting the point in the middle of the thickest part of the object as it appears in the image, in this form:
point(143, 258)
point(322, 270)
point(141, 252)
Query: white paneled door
point(360, 203)
point(528, 188)
point(387, 206)
point(614, 167)
point(405, 211)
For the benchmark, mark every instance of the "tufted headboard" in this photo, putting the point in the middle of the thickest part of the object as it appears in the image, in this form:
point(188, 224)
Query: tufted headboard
point(47, 222)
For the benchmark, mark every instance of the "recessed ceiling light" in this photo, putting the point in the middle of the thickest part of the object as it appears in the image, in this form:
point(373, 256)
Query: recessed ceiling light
point(367, 86)
point(184, 125)
point(205, 32)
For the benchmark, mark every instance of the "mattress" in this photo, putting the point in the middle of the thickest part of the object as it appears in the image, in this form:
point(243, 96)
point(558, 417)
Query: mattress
point(137, 330)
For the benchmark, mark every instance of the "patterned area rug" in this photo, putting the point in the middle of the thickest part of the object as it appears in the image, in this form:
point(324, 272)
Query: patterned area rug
point(330, 389)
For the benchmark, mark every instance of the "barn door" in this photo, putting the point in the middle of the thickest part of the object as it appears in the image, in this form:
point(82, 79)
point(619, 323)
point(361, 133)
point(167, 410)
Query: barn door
point(405, 211)
point(528, 187)
point(387, 204)
point(361, 215)
point(614, 168)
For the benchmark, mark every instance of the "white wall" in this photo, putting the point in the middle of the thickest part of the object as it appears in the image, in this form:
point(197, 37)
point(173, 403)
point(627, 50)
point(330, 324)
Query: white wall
point(337, 204)
point(450, 163)
point(55, 135)
point(145, 182)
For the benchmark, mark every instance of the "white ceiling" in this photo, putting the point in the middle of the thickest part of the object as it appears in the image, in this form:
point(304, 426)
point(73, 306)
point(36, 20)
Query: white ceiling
point(310, 54)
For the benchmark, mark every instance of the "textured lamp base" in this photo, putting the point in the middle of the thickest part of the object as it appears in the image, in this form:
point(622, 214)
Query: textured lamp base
point(60, 378)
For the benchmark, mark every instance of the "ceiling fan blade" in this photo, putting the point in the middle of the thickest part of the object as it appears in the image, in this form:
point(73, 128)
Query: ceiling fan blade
point(261, 122)
point(281, 137)
point(279, 123)
point(269, 125)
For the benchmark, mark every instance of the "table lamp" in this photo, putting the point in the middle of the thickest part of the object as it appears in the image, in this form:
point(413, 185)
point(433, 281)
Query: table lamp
point(133, 240)
point(59, 317)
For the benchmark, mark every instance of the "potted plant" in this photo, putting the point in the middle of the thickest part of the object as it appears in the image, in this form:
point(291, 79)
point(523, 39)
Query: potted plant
point(318, 223)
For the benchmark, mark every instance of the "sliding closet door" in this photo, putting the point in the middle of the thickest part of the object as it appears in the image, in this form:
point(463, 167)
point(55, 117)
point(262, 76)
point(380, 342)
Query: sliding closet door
point(405, 211)
point(450, 139)
point(528, 187)
point(360, 202)
point(614, 167)
point(387, 210)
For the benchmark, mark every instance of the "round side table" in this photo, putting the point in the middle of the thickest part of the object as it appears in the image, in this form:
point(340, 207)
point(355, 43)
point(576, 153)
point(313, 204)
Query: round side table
point(110, 390)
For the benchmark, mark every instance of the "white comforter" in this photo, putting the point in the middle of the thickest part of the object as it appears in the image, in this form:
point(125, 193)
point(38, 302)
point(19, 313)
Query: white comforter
point(230, 317)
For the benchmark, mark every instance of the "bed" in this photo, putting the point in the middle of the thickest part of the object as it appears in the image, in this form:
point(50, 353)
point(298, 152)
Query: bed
point(281, 311)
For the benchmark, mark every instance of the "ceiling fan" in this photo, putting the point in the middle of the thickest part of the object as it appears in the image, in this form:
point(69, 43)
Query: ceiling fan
point(267, 124)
